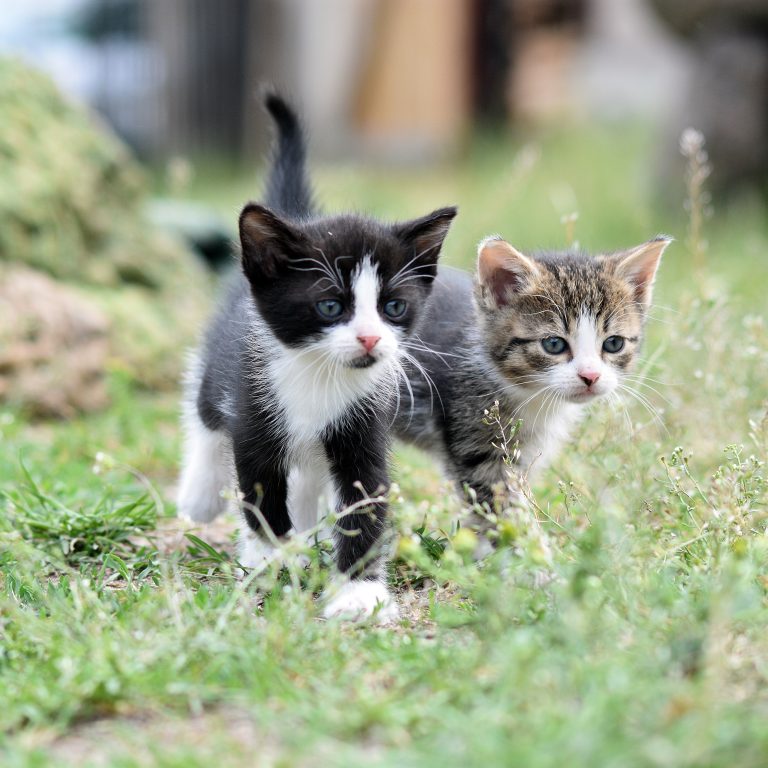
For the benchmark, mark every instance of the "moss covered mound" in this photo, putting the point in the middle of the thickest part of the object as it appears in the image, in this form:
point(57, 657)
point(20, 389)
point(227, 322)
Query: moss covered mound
point(72, 203)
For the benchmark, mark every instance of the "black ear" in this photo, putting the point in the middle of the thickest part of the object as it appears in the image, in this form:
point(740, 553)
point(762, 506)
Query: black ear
point(267, 242)
point(425, 236)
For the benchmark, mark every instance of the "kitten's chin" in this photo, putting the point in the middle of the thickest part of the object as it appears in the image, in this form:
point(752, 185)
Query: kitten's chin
point(359, 363)
point(585, 396)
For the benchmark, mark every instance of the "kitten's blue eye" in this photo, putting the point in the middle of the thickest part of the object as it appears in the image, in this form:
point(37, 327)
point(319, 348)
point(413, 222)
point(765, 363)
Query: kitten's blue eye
point(395, 308)
point(329, 308)
point(613, 344)
point(554, 345)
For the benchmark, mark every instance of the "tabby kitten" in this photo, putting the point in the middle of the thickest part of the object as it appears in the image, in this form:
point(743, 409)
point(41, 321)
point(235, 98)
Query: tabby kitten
point(295, 385)
point(544, 334)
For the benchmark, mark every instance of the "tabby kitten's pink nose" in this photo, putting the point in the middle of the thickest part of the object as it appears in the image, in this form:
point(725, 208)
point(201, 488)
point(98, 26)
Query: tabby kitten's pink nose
point(369, 342)
point(589, 377)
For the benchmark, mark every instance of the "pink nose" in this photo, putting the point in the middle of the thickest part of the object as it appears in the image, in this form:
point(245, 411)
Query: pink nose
point(589, 377)
point(369, 342)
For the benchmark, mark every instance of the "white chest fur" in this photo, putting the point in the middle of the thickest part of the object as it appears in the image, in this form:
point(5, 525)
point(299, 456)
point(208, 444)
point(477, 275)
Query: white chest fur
point(314, 392)
point(545, 429)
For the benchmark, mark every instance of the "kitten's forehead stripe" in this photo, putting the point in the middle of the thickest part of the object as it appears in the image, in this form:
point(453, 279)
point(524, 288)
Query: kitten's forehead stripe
point(365, 289)
point(586, 337)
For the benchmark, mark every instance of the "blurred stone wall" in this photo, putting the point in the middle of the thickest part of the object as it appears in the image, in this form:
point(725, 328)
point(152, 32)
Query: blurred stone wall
point(727, 97)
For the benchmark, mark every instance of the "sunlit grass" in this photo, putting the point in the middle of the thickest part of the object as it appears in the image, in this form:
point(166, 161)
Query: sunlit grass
point(625, 628)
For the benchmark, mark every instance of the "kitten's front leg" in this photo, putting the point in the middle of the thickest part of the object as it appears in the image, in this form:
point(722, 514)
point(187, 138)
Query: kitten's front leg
point(264, 488)
point(359, 459)
point(495, 489)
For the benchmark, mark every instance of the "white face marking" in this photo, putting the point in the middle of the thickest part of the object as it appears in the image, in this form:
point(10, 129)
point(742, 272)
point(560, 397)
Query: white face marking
point(317, 384)
point(573, 378)
point(344, 341)
point(366, 320)
point(586, 348)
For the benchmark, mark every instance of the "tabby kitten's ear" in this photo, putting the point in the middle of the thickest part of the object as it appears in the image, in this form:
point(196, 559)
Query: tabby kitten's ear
point(267, 242)
point(502, 271)
point(638, 266)
point(425, 236)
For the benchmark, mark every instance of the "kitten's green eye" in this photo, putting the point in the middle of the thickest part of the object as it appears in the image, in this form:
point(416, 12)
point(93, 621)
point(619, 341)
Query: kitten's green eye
point(395, 308)
point(613, 344)
point(330, 309)
point(554, 345)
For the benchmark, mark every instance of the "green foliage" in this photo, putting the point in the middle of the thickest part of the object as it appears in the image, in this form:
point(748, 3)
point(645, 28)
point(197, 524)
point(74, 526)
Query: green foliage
point(620, 623)
point(82, 531)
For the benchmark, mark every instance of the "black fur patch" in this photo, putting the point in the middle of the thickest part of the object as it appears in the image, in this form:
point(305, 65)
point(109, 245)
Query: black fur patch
point(291, 260)
point(291, 266)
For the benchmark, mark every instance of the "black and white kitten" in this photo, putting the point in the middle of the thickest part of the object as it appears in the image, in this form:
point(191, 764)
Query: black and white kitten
point(543, 334)
point(295, 386)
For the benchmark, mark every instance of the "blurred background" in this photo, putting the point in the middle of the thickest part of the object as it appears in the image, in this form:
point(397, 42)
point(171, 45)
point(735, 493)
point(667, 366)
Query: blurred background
point(131, 133)
point(402, 81)
point(131, 137)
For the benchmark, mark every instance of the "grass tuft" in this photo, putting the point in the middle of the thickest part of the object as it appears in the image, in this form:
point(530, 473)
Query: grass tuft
point(620, 622)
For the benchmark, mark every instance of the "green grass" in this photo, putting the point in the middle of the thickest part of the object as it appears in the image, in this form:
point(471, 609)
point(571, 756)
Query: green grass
point(627, 628)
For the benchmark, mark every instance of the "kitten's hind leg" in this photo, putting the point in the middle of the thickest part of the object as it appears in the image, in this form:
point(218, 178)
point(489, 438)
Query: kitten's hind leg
point(207, 471)
point(491, 491)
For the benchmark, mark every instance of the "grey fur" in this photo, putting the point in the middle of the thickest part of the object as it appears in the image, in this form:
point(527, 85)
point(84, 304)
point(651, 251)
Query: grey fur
point(446, 417)
point(479, 344)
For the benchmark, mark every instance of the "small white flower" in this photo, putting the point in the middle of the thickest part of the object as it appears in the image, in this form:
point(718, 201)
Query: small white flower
point(691, 142)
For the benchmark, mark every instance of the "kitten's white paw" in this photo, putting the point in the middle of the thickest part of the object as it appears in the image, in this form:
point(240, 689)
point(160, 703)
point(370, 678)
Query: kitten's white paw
point(254, 552)
point(483, 549)
point(199, 507)
point(357, 600)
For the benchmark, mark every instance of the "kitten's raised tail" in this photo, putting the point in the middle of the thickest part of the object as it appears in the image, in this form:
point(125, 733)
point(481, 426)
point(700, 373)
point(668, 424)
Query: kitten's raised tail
point(288, 190)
